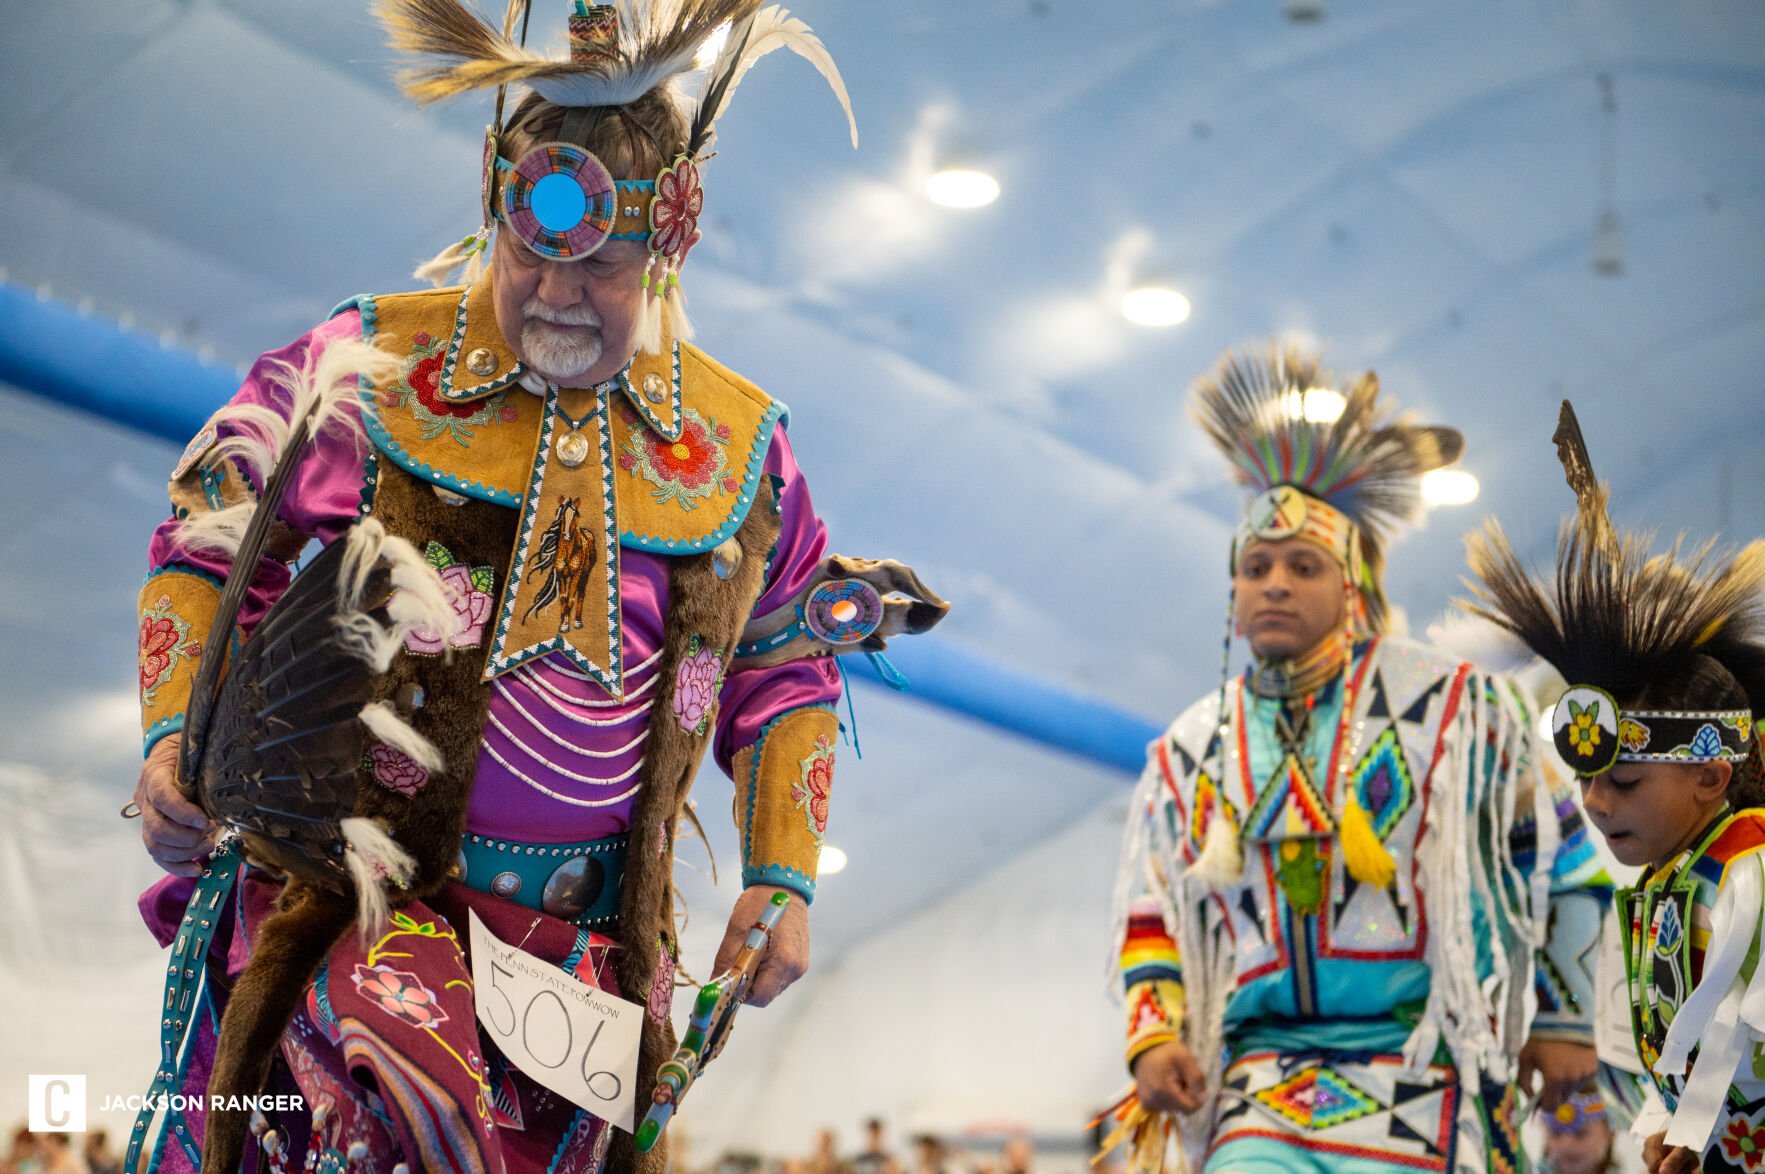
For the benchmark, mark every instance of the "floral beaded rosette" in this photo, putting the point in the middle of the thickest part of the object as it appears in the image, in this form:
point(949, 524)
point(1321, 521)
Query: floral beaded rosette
point(696, 683)
point(165, 639)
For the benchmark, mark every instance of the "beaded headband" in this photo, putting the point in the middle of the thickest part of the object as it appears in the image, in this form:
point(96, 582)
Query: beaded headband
point(558, 199)
point(1592, 733)
point(1575, 1114)
point(1287, 511)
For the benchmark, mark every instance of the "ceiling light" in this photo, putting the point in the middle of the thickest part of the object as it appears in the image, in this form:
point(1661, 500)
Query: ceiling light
point(712, 46)
point(1155, 305)
point(832, 860)
point(1449, 487)
point(961, 187)
point(1317, 405)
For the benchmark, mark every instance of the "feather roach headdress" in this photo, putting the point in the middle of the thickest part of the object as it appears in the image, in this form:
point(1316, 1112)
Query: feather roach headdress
point(1346, 483)
point(620, 53)
point(1654, 646)
point(1350, 484)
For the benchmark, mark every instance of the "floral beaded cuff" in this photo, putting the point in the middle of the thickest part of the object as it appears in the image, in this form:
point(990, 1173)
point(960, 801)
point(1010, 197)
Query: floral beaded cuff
point(782, 785)
point(177, 605)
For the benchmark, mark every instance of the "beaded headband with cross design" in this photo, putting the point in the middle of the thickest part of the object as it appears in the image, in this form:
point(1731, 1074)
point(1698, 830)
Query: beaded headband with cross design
point(1287, 511)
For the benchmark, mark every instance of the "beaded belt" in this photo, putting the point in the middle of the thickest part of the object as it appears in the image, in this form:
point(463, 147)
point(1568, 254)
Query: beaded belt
point(578, 883)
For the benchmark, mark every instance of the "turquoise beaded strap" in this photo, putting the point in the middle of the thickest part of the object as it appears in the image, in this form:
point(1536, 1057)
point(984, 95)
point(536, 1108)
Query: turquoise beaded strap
point(183, 989)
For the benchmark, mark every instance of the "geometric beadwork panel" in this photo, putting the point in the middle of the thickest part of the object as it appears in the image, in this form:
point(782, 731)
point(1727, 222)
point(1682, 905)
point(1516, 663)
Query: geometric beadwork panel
point(1382, 782)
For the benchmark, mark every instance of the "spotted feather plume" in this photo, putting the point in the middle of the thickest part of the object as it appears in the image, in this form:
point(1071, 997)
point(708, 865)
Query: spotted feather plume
point(1366, 463)
point(1613, 614)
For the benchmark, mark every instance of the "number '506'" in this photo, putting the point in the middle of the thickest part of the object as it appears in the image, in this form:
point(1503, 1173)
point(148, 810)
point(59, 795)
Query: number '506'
point(546, 1030)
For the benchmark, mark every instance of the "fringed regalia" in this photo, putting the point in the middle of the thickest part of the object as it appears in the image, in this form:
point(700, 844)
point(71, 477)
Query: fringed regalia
point(1335, 881)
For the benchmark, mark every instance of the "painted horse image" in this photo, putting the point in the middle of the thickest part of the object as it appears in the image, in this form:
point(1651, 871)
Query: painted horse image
point(566, 556)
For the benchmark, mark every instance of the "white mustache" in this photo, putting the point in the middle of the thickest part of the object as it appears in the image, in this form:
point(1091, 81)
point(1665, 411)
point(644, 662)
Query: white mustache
point(579, 315)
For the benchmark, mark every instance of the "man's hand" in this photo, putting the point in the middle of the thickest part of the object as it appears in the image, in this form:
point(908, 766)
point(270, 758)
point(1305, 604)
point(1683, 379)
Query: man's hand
point(177, 834)
point(1658, 1159)
point(786, 959)
point(1565, 1067)
point(1168, 1079)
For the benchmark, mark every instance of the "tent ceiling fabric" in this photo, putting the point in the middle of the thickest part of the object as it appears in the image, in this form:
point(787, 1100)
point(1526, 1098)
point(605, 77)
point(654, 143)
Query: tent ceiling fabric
point(1413, 183)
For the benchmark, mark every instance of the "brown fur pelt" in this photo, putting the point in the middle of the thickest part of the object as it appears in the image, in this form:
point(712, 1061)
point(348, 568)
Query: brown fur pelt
point(714, 609)
point(429, 824)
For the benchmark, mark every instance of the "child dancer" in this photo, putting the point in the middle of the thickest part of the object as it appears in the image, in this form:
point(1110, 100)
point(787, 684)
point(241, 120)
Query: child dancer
point(1665, 656)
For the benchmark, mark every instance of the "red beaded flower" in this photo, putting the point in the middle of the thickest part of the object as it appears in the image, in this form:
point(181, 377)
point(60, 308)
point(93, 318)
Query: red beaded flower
point(674, 215)
point(164, 638)
point(1744, 1143)
point(811, 789)
point(400, 994)
point(425, 380)
point(691, 460)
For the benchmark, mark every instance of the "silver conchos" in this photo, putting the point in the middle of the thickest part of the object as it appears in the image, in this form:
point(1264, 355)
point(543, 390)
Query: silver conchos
point(573, 887)
point(572, 448)
point(505, 885)
point(726, 558)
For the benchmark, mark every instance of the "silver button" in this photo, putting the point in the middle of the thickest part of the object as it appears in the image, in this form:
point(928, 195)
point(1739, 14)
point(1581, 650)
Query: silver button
point(505, 885)
point(652, 388)
point(572, 448)
point(481, 362)
point(573, 887)
point(726, 559)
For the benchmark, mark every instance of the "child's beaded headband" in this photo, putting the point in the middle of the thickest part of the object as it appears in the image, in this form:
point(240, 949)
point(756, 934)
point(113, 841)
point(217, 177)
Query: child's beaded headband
point(1592, 733)
point(1575, 1114)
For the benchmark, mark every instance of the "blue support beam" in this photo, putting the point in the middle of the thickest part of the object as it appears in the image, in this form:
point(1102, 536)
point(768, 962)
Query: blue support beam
point(84, 361)
point(948, 676)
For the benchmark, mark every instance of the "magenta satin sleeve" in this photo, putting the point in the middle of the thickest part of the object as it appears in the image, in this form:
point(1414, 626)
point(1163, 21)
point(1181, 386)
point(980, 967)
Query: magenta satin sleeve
point(325, 496)
point(753, 697)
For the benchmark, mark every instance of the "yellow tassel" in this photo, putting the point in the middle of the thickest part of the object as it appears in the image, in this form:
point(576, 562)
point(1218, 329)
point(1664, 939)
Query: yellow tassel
point(1366, 858)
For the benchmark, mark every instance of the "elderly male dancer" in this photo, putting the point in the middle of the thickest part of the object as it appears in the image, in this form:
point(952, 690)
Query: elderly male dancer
point(631, 574)
point(1338, 868)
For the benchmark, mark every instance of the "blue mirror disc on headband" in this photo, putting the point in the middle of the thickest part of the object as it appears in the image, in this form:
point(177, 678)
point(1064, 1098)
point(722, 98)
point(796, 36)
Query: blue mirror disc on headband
point(558, 202)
